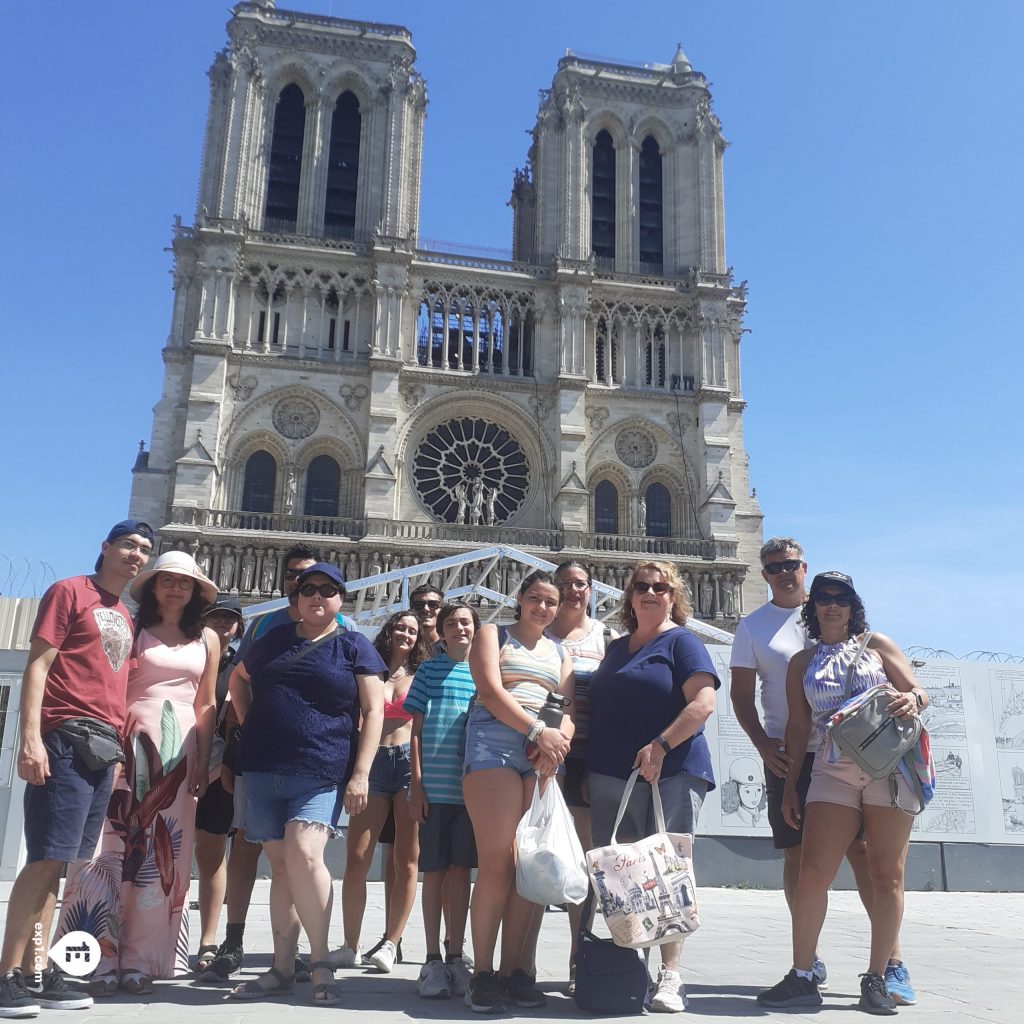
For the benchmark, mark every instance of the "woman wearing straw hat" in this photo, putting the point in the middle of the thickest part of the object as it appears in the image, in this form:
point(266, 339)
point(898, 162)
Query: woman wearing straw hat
point(133, 894)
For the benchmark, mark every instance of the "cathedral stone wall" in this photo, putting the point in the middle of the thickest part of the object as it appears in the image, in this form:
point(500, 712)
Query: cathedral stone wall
point(328, 380)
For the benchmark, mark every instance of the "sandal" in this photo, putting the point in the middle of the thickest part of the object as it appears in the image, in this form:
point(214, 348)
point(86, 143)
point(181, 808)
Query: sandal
point(206, 955)
point(252, 989)
point(135, 983)
point(327, 993)
point(103, 986)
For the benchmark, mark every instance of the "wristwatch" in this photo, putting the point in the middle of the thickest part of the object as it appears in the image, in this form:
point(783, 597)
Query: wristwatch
point(919, 697)
point(663, 743)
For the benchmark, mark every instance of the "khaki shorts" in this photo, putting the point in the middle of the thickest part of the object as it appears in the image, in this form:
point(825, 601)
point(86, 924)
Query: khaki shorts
point(845, 784)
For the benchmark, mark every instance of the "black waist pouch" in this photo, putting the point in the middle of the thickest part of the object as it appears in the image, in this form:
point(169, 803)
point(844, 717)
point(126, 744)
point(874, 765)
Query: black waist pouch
point(97, 743)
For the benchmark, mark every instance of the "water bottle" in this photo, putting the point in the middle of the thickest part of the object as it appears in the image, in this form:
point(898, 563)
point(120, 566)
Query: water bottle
point(552, 713)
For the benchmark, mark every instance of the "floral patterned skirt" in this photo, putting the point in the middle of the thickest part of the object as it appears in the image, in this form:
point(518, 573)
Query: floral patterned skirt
point(133, 894)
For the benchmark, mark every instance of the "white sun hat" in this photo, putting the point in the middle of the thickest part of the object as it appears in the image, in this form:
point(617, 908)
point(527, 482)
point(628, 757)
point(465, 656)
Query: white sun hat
point(181, 564)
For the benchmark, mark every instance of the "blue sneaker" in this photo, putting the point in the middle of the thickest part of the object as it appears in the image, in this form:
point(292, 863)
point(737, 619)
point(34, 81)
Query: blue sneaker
point(897, 984)
point(820, 973)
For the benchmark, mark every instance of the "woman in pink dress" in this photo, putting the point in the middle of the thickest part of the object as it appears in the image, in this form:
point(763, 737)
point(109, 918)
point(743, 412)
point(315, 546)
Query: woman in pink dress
point(132, 896)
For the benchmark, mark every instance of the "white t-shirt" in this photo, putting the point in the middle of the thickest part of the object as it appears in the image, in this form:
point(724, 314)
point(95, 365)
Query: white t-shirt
point(765, 641)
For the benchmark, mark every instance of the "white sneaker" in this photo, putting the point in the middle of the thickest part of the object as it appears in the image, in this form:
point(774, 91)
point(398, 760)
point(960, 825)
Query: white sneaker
point(459, 974)
point(385, 957)
point(669, 995)
point(343, 957)
point(433, 981)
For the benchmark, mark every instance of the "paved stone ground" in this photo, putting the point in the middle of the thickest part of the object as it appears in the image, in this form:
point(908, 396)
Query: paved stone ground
point(963, 950)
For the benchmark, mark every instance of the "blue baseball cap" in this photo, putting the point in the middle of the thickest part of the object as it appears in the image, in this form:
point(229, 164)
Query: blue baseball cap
point(332, 572)
point(122, 529)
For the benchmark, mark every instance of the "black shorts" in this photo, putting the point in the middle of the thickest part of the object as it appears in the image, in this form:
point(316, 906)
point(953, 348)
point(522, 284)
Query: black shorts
point(784, 835)
point(64, 816)
point(216, 809)
point(446, 838)
point(572, 790)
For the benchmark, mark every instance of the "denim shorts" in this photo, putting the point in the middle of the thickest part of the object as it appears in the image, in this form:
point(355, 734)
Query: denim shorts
point(492, 744)
point(273, 800)
point(64, 816)
point(391, 771)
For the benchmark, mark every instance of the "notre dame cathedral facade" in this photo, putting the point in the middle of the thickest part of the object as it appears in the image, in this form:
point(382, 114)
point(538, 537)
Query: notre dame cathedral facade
point(330, 378)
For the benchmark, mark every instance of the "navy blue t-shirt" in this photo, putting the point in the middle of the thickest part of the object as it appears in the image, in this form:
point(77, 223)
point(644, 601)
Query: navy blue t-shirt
point(634, 697)
point(305, 720)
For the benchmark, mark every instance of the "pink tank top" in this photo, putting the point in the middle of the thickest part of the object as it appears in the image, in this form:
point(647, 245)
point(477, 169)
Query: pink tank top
point(163, 673)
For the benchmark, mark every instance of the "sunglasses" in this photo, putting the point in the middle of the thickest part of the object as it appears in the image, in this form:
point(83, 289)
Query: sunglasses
point(842, 600)
point(659, 588)
point(323, 589)
point(572, 584)
point(424, 606)
point(129, 547)
point(790, 565)
point(293, 574)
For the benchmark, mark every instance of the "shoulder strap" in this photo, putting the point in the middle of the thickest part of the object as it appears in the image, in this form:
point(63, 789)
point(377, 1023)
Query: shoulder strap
point(502, 636)
point(301, 653)
point(861, 648)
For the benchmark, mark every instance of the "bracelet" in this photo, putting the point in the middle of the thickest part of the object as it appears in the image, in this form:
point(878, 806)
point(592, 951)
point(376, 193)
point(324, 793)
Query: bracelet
point(536, 728)
point(663, 743)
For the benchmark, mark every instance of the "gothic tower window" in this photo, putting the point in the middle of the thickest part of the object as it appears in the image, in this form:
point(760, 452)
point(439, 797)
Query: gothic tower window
point(285, 169)
point(259, 482)
point(602, 203)
point(606, 507)
point(651, 246)
point(601, 353)
point(323, 486)
point(659, 511)
point(343, 168)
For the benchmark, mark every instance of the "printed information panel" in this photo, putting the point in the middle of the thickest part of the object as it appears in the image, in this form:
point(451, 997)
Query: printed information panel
point(976, 722)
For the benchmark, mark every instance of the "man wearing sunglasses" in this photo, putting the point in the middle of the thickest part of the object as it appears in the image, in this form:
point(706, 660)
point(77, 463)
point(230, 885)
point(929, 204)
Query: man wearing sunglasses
point(426, 601)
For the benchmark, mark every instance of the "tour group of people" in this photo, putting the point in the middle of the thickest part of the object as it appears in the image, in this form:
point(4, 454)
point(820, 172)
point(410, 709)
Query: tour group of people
point(146, 740)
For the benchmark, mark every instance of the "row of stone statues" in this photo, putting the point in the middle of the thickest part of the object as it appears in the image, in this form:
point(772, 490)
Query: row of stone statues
point(474, 504)
point(256, 572)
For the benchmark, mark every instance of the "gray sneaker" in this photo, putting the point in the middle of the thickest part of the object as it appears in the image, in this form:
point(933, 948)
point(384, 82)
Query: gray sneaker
point(14, 998)
point(56, 994)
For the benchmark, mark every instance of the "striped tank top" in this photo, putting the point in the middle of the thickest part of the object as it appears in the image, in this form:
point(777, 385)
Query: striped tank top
point(529, 675)
point(825, 680)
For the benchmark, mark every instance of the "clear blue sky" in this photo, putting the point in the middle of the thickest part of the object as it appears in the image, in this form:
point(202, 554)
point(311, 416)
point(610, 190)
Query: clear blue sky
point(873, 201)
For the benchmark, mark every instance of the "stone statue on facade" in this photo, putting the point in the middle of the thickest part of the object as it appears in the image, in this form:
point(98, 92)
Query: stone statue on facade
point(226, 576)
point(515, 577)
point(269, 570)
point(352, 567)
point(458, 493)
point(728, 598)
point(291, 490)
point(642, 514)
point(248, 571)
point(476, 511)
point(203, 560)
point(707, 595)
point(492, 498)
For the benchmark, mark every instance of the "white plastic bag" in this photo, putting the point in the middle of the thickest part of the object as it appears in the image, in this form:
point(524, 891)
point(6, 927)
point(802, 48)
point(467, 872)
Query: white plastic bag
point(550, 868)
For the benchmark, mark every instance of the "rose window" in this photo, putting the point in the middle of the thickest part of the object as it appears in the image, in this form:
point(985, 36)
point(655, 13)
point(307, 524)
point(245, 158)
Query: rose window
point(471, 471)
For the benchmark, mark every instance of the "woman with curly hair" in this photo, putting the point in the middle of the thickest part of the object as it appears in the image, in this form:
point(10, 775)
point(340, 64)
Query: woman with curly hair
point(649, 699)
point(841, 798)
point(132, 895)
point(403, 647)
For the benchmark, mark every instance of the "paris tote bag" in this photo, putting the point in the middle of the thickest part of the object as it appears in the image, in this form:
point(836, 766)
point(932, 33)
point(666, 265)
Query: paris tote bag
point(646, 889)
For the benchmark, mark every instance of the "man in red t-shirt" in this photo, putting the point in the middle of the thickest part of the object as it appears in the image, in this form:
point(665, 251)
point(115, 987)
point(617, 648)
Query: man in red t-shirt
point(77, 670)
